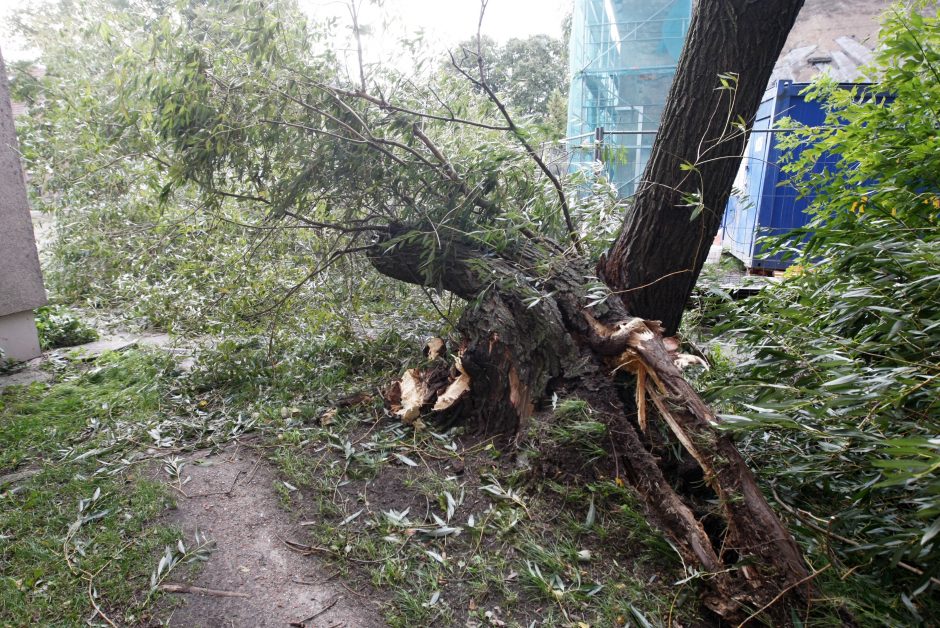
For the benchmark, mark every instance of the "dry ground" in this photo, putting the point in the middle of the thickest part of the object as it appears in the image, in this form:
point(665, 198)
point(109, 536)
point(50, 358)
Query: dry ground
point(230, 498)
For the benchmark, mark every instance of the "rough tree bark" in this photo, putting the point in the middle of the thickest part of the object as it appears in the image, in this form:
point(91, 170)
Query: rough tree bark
point(660, 251)
point(518, 351)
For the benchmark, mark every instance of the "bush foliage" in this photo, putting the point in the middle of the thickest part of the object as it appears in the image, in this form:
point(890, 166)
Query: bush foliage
point(58, 327)
point(838, 399)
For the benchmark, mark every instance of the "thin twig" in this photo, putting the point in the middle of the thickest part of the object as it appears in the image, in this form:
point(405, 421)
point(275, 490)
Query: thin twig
point(354, 13)
point(782, 593)
point(335, 255)
point(228, 492)
point(331, 604)
point(517, 133)
point(387, 106)
point(251, 475)
point(185, 588)
point(351, 591)
point(98, 610)
point(334, 226)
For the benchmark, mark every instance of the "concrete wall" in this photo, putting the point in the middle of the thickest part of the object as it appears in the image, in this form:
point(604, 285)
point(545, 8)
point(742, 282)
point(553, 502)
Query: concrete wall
point(21, 287)
point(832, 36)
point(18, 336)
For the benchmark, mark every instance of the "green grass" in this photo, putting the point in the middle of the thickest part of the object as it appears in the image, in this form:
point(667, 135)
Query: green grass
point(54, 556)
point(525, 551)
point(572, 427)
point(81, 408)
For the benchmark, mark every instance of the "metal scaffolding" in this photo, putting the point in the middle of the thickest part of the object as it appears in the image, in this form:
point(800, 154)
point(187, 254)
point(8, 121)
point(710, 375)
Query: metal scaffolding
point(623, 58)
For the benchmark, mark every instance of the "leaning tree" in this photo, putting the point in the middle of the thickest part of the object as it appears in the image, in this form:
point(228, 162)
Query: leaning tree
point(437, 185)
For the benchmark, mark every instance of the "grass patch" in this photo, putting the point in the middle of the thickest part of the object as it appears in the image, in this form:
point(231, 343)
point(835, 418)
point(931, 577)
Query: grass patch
point(572, 427)
point(445, 528)
point(76, 525)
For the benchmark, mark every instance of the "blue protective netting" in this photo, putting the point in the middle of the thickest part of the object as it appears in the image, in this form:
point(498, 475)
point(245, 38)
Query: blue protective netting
point(623, 56)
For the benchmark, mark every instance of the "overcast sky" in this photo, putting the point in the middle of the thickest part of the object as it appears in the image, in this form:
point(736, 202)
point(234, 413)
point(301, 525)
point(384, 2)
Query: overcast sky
point(443, 22)
point(453, 20)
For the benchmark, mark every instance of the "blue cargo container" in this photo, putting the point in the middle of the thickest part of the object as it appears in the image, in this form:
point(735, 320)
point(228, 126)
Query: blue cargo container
point(768, 203)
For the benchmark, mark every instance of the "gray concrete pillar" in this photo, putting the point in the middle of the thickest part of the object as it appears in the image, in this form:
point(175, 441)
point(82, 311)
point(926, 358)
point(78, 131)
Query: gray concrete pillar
point(21, 287)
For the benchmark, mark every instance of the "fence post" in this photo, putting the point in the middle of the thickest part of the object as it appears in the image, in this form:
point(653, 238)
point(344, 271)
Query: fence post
point(599, 144)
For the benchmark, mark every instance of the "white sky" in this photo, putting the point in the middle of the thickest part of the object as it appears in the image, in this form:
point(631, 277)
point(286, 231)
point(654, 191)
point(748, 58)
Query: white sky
point(443, 22)
point(454, 20)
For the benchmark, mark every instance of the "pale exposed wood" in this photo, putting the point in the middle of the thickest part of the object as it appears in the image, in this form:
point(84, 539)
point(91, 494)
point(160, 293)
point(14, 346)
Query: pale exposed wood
point(185, 588)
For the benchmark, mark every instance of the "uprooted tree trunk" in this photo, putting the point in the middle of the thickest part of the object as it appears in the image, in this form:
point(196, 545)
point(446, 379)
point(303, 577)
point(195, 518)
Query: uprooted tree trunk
point(524, 337)
point(515, 353)
point(528, 329)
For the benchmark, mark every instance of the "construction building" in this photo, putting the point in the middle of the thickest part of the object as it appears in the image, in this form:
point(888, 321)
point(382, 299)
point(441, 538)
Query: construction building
point(623, 57)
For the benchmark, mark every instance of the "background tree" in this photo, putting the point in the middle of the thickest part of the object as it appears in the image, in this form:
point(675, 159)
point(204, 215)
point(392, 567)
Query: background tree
point(530, 75)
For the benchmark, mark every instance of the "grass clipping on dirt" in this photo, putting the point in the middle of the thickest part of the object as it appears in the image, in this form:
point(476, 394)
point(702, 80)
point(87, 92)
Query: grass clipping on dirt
point(441, 528)
point(451, 530)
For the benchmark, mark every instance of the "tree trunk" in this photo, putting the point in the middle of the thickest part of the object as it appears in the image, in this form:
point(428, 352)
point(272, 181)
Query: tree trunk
point(525, 337)
point(511, 348)
point(678, 207)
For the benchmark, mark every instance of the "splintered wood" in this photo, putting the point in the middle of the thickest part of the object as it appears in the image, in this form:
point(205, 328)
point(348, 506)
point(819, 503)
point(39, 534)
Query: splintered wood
point(432, 390)
point(414, 395)
point(631, 362)
point(766, 553)
point(457, 389)
point(765, 560)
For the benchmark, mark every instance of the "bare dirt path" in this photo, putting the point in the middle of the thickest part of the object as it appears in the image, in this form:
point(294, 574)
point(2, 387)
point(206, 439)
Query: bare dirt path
point(232, 501)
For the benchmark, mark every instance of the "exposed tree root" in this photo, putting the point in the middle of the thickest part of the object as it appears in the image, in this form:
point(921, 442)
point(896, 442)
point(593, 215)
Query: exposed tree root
point(756, 544)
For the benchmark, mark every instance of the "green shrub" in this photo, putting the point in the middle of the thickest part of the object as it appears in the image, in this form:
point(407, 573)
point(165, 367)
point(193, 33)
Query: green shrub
point(60, 327)
point(837, 397)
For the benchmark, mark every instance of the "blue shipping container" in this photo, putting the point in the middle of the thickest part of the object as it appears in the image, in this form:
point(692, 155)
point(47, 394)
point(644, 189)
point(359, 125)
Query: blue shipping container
point(768, 203)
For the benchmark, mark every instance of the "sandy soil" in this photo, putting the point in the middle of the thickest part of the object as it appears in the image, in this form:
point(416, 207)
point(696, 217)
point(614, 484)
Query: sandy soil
point(233, 502)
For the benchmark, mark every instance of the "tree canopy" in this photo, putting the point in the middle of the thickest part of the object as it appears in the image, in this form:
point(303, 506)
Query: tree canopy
point(530, 74)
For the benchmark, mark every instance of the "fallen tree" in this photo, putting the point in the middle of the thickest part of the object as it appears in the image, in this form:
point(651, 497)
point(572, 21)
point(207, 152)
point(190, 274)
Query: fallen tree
point(516, 354)
point(394, 180)
point(518, 347)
